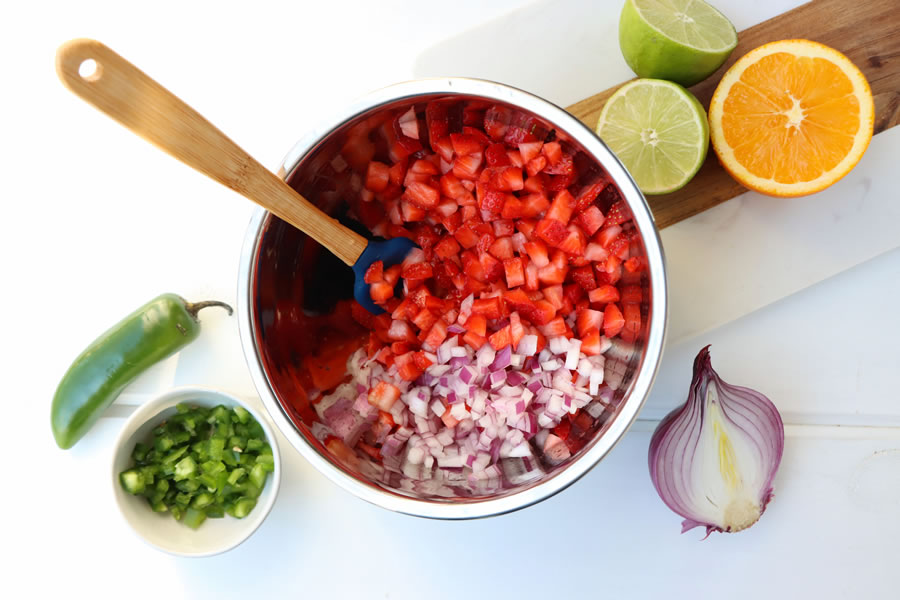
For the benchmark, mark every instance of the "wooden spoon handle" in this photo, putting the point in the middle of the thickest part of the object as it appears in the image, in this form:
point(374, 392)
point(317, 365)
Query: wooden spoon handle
point(129, 96)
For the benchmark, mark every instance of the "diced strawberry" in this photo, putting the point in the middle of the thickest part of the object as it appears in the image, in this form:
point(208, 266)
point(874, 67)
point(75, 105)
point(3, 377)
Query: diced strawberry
point(587, 195)
point(535, 165)
point(613, 321)
point(500, 339)
point(383, 395)
point(401, 331)
point(466, 167)
point(552, 274)
point(564, 166)
point(406, 309)
point(485, 240)
point(534, 205)
point(381, 291)
point(397, 173)
point(604, 294)
point(411, 213)
point(446, 208)
point(502, 248)
point(526, 227)
point(562, 206)
point(465, 144)
point(493, 200)
point(496, 156)
point(512, 207)
point(444, 148)
point(530, 150)
point(518, 301)
point(392, 274)
point(590, 342)
point(452, 223)
point(507, 179)
point(556, 327)
point(516, 329)
point(635, 264)
point(536, 184)
point(447, 247)
point(377, 176)
point(595, 252)
point(451, 186)
point(554, 295)
point(406, 366)
point(493, 268)
point(503, 227)
point(476, 324)
point(606, 235)
point(632, 315)
point(537, 250)
point(590, 220)
point(618, 213)
point(588, 320)
point(584, 276)
point(515, 272)
point(620, 246)
point(475, 341)
point(609, 271)
point(574, 244)
point(424, 319)
point(436, 335)
point(466, 236)
point(515, 158)
point(375, 272)
point(553, 152)
point(551, 231)
point(420, 270)
point(422, 195)
point(542, 313)
point(475, 132)
point(488, 307)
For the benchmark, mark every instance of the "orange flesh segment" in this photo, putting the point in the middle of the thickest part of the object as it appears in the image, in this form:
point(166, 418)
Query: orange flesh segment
point(790, 118)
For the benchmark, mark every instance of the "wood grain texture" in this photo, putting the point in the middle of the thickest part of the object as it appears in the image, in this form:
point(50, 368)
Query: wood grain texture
point(868, 32)
point(129, 96)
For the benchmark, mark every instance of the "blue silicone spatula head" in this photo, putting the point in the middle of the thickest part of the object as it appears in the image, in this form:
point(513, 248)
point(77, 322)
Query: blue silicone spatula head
point(390, 252)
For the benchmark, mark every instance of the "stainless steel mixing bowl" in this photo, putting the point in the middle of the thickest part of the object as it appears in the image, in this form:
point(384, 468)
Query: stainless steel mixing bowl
point(270, 294)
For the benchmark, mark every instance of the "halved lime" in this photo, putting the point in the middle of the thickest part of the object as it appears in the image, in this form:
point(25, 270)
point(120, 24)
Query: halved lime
point(658, 130)
point(683, 41)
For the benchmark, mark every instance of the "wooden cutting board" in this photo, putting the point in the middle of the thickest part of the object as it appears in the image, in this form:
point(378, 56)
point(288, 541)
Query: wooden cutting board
point(868, 32)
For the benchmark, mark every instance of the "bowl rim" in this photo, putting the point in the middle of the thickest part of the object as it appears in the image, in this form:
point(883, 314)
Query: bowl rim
point(149, 411)
point(450, 86)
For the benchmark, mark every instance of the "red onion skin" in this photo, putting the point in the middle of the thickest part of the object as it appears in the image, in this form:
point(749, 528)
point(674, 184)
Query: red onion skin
point(692, 412)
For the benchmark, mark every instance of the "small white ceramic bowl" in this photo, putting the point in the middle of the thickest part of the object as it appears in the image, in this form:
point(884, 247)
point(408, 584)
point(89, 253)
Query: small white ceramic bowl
point(160, 530)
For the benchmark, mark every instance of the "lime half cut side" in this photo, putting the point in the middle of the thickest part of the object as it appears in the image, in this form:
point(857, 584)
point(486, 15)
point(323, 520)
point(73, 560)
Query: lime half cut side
point(658, 130)
point(683, 41)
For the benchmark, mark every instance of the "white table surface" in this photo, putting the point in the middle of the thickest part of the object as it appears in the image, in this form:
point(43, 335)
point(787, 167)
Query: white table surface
point(798, 298)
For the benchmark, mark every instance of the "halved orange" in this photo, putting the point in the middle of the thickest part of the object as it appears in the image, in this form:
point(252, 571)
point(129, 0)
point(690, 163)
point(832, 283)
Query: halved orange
point(791, 117)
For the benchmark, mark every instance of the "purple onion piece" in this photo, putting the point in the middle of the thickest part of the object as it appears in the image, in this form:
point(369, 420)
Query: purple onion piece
point(712, 492)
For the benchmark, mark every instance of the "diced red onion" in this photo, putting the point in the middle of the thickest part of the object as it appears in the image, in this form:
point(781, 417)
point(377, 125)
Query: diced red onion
point(528, 345)
point(454, 328)
point(558, 345)
point(502, 359)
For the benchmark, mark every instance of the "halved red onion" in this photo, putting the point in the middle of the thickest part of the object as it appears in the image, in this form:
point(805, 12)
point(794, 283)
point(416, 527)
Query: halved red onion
point(713, 459)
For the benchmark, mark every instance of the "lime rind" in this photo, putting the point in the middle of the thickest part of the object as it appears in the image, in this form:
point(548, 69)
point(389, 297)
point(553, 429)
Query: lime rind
point(658, 130)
